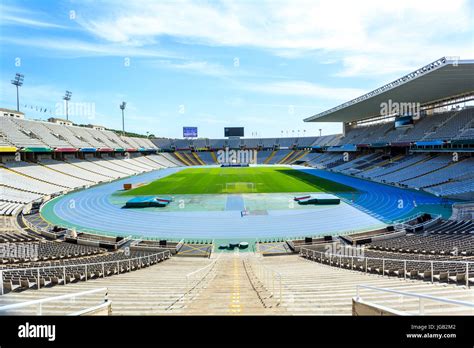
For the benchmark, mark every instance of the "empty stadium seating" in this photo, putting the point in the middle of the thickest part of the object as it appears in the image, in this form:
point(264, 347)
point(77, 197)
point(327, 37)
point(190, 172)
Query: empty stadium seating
point(70, 270)
point(443, 238)
point(29, 133)
point(23, 182)
point(439, 253)
point(446, 125)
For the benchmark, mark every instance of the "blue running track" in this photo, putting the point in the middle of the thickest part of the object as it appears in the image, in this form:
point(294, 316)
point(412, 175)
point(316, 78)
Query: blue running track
point(373, 207)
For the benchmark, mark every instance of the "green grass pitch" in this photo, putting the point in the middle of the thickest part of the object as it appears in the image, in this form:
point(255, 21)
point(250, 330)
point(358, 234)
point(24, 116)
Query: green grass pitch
point(238, 180)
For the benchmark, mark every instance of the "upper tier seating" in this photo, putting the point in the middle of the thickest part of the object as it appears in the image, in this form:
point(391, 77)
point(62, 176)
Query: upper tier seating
point(40, 131)
point(252, 143)
point(216, 143)
point(68, 133)
point(16, 136)
point(268, 142)
point(29, 133)
point(162, 143)
point(455, 124)
point(287, 142)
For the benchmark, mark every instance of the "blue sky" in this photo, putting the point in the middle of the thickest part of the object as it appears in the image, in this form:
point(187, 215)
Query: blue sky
point(263, 65)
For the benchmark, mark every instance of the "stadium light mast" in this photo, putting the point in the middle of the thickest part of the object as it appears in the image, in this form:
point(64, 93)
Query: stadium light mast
point(320, 131)
point(67, 98)
point(122, 107)
point(18, 82)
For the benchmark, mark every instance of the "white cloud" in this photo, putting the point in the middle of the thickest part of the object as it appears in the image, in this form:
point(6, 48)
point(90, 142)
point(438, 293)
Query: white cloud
point(6, 19)
point(304, 89)
point(11, 15)
point(79, 48)
point(199, 67)
point(368, 37)
point(402, 33)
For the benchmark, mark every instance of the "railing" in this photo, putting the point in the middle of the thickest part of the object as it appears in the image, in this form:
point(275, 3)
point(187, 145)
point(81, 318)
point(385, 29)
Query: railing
point(39, 303)
point(62, 268)
point(337, 258)
point(195, 280)
point(403, 224)
point(421, 298)
point(270, 279)
point(179, 245)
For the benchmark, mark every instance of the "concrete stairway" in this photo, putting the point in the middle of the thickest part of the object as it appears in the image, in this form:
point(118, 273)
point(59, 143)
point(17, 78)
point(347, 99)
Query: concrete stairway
point(233, 290)
point(313, 288)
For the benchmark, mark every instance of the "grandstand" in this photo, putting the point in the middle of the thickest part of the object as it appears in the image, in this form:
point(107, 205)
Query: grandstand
point(421, 246)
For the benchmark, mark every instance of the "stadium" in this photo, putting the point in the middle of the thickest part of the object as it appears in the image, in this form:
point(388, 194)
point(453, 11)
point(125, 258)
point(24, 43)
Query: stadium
point(375, 220)
point(400, 192)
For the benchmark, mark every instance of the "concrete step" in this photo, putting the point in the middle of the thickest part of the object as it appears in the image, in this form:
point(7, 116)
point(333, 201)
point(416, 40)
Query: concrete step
point(229, 286)
point(231, 291)
point(313, 288)
point(152, 290)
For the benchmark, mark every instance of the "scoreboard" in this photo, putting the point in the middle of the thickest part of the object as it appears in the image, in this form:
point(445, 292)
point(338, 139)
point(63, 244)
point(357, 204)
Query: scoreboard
point(190, 132)
point(234, 131)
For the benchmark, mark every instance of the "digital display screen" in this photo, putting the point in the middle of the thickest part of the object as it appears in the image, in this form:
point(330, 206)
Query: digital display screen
point(190, 132)
point(404, 121)
point(234, 131)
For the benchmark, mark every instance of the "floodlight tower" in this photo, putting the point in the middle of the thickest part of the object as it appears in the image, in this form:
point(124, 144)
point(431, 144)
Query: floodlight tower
point(18, 82)
point(67, 98)
point(122, 107)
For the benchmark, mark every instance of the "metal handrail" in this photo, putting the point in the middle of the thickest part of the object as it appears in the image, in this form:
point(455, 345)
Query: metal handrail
point(405, 225)
point(410, 294)
point(189, 287)
point(165, 253)
point(94, 308)
point(467, 264)
point(385, 258)
point(55, 298)
point(408, 218)
point(267, 276)
point(83, 264)
point(203, 268)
